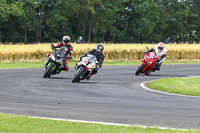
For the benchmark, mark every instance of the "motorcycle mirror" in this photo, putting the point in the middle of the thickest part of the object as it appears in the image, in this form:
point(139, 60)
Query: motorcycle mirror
point(147, 48)
point(52, 45)
point(168, 40)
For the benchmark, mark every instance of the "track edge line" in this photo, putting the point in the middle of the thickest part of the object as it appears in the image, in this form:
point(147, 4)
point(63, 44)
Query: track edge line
point(108, 123)
point(167, 93)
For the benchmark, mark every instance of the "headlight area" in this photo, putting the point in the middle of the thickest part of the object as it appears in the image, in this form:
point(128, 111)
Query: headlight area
point(53, 57)
point(149, 62)
point(58, 60)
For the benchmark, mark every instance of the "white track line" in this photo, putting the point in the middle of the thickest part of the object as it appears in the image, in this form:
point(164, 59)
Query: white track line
point(167, 93)
point(107, 123)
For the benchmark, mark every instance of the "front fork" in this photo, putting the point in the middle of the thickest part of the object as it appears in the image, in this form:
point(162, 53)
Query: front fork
point(77, 69)
point(46, 63)
point(146, 65)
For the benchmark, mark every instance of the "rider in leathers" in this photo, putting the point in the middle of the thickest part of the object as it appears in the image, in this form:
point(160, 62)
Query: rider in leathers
point(64, 43)
point(98, 53)
point(161, 53)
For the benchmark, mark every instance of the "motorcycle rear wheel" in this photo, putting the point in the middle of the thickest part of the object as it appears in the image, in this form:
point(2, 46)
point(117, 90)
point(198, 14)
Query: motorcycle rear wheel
point(139, 70)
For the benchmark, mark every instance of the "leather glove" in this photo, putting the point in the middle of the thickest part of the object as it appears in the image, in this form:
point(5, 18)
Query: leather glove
point(146, 52)
point(80, 57)
point(159, 62)
point(52, 46)
point(158, 59)
point(97, 66)
point(69, 57)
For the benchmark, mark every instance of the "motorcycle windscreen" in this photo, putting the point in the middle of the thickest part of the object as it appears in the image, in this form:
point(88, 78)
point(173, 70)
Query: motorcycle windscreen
point(61, 52)
point(151, 55)
point(91, 61)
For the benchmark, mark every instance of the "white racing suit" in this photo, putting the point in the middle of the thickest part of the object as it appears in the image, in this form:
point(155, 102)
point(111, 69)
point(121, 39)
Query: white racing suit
point(161, 54)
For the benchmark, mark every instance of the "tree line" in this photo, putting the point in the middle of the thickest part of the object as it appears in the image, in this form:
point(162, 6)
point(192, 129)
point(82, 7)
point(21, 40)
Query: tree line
point(113, 21)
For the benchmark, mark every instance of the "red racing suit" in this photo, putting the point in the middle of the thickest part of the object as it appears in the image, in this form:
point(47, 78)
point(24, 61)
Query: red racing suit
point(69, 52)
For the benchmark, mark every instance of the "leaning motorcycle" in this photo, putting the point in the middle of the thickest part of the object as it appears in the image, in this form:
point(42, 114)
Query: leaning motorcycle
point(84, 67)
point(55, 61)
point(147, 64)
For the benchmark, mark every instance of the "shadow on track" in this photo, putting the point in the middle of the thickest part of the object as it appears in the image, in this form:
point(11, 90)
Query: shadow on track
point(156, 75)
point(58, 78)
point(87, 82)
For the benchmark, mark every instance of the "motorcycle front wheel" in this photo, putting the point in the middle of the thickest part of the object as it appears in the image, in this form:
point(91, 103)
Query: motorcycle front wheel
point(139, 70)
point(48, 71)
point(77, 76)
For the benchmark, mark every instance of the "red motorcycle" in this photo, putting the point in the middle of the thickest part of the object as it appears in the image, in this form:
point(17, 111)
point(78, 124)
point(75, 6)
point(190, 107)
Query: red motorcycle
point(147, 63)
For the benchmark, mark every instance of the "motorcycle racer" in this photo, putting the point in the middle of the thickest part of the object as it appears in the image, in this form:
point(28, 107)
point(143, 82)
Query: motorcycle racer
point(65, 43)
point(98, 53)
point(161, 53)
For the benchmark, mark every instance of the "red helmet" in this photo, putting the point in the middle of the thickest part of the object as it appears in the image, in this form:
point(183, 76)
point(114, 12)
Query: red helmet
point(66, 39)
point(161, 45)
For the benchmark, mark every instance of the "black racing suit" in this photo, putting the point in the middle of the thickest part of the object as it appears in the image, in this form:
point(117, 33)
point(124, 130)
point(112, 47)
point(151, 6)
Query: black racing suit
point(100, 58)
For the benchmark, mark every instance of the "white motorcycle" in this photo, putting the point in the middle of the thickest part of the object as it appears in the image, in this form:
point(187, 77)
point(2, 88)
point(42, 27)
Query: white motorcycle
point(84, 67)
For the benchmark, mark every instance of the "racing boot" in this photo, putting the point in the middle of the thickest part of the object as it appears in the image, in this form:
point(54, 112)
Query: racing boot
point(62, 69)
point(75, 66)
point(154, 69)
point(65, 68)
point(158, 66)
point(89, 75)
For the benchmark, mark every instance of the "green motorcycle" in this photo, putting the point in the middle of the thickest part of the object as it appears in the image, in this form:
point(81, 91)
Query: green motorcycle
point(55, 61)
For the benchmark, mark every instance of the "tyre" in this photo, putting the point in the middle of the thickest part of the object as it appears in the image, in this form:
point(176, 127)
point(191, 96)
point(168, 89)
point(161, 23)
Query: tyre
point(77, 76)
point(48, 71)
point(139, 70)
point(147, 73)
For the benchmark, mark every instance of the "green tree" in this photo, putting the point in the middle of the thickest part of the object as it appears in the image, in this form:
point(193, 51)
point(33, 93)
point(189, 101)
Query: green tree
point(10, 7)
point(9, 10)
point(193, 22)
point(173, 16)
point(28, 21)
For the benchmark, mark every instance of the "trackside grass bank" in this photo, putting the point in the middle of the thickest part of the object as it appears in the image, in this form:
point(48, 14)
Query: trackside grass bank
point(23, 124)
point(185, 86)
point(39, 64)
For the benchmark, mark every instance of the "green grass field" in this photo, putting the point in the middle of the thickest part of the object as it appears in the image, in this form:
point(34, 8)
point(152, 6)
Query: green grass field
point(39, 64)
point(23, 124)
point(186, 86)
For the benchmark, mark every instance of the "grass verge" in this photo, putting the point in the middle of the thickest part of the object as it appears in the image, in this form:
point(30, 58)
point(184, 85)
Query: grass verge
point(39, 64)
point(186, 86)
point(23, 124)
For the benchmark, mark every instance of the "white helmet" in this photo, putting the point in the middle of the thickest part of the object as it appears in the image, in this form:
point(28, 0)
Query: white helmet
point(66, 39)
point(161, 45)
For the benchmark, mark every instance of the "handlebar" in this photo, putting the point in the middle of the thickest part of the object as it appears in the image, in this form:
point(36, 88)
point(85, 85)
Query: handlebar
point(53, 47)
point(68, 57)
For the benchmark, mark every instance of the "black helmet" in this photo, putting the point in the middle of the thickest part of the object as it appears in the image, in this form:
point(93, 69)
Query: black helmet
point(100, 46)
point(66, 39)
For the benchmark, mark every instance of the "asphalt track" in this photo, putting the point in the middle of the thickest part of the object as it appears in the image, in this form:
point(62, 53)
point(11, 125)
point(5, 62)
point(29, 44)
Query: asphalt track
point(114, 95)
